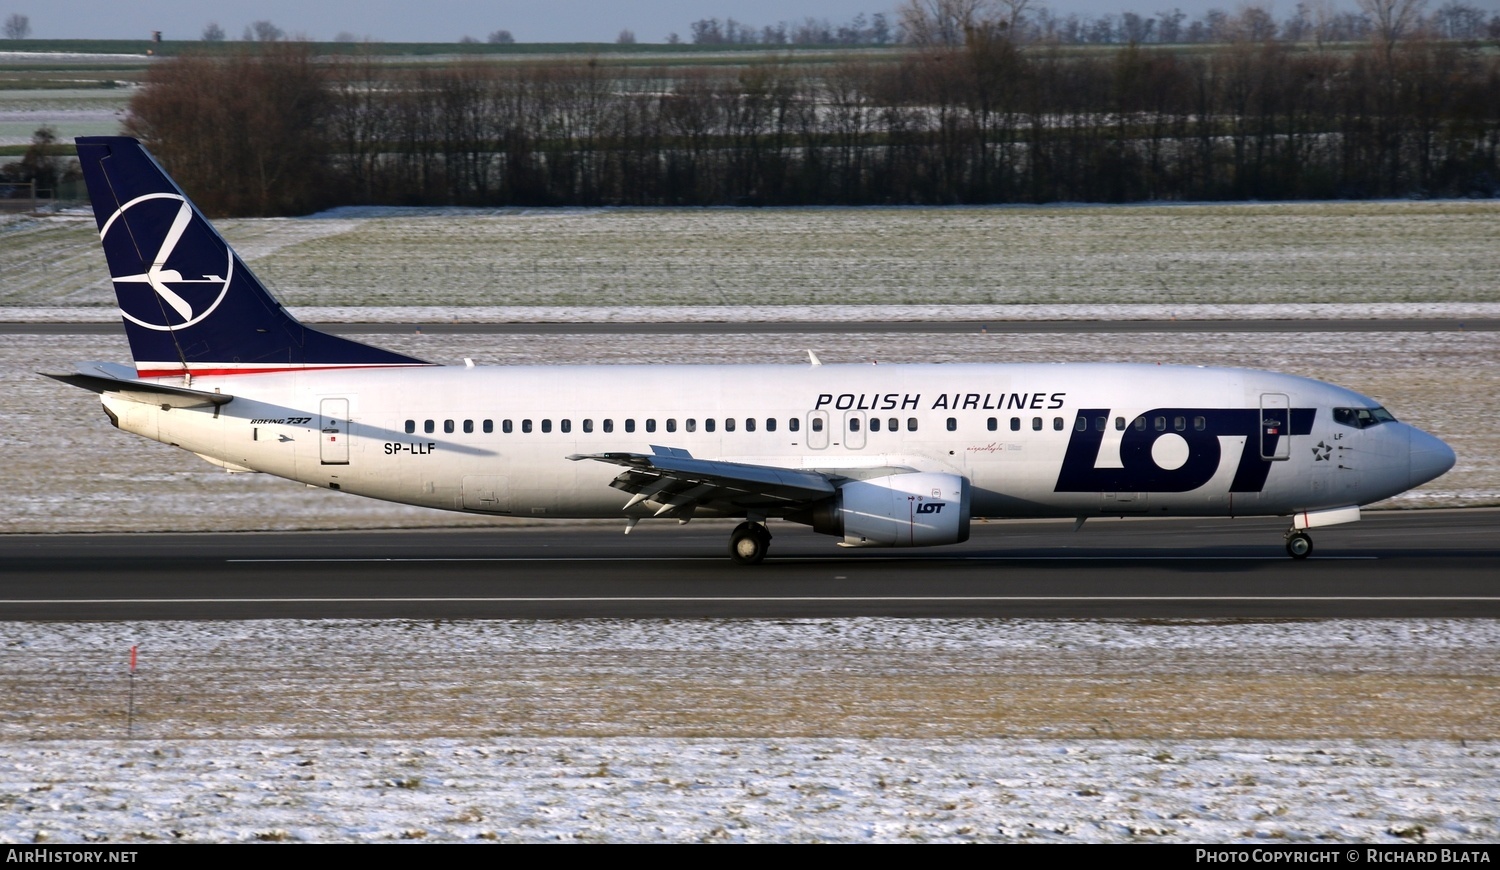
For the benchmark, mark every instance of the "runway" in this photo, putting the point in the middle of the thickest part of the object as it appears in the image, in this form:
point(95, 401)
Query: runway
point(1391, 564)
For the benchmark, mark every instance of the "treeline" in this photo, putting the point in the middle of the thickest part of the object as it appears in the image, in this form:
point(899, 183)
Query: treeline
point(947, 21)
point(277, 132)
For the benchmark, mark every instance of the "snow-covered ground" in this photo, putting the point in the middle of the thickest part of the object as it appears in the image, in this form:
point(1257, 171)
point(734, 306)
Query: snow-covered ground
point(1345, 256)
point(798, 730)
point(981, 314)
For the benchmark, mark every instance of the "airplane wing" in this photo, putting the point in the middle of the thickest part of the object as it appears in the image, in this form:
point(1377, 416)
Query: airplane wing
point(680, 483)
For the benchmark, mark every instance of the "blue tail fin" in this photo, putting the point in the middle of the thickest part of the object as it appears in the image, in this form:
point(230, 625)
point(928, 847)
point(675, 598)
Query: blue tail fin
point(190, 305)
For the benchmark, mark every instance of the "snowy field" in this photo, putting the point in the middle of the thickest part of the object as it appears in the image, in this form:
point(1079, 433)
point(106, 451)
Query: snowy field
point(800, 730)
point(70, 112)
point(1345, 256)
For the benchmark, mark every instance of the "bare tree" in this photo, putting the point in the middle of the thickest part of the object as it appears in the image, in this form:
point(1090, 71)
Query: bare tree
point(1459, 20)
point(1392, 19)
point(626, 37)
point(1012, 14)
point(212, 32)
point(1255, 24)
point(17, 26)
point(501, 37)
point(943, 22)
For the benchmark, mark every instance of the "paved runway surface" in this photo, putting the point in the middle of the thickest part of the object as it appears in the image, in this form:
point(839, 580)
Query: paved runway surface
point(862, 327)
point(1392, 564)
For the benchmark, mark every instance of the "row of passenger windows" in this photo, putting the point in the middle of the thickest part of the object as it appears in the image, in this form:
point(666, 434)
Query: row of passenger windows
point(1081, 424)
point(793, 424)
point(690, 424)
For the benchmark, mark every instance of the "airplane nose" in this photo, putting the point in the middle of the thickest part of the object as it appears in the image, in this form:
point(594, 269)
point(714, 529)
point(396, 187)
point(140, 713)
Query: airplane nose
point(1430, 457)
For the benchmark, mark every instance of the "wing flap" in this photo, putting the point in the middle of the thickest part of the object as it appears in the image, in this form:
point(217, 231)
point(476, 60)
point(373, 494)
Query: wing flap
point(674, 479)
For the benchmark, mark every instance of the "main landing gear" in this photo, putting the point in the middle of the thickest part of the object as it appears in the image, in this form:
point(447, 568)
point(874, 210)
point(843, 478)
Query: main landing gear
point(749, 542)
point(1298, 544)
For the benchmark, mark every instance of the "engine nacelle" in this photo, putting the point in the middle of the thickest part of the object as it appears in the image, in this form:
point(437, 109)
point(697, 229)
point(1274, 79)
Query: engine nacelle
point(918, 509)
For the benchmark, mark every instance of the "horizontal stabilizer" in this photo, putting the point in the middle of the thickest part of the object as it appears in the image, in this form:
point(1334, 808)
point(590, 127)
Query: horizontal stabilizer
point(145, 392)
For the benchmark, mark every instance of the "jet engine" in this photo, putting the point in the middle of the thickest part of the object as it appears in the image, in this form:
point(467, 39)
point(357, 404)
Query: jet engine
point(916, 509)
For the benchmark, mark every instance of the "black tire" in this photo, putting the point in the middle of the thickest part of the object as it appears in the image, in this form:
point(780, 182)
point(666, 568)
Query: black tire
point(748, 543)
point(1299, 545)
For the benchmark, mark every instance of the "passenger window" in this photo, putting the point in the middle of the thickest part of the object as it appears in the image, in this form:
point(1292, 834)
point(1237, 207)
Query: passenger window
point(629, 424)
point(692, 425)
point(1140, 424)
point(911, 424)
point(1100, 423)
point(1080, 424)
point(770, 424)
point(1179, 424)
point(1119, 424)
point(874, 424)
point(992, 424)
point(671, 424)
point(609, 425)
point(411, 427)
point(468, 427)
point(651, 424)
point(489, 426)
point(505, 427)
point(565, 426)
point(793, 424)
point(952, 424)
point(429, 426)
point(546, 426)
point(1036, 424)
point(588, 425)
point(853, 424)
point(708, 425)
point(1199, 424)
point(526, 427)
point(817, 424)
point(448, 426)
point(1161, 424)
point(1015, 424)
point(749, 424)
point(1057, 424)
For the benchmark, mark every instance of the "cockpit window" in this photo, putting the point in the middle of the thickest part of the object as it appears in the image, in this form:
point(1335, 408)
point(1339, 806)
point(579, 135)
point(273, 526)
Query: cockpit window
point(1362, 418)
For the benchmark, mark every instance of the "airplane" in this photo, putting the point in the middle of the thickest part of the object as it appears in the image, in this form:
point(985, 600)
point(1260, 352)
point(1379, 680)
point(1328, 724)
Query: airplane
point(874, 455)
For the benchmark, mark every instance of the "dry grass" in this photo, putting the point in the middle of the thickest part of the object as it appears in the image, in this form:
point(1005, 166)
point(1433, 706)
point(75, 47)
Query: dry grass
point(239, 692)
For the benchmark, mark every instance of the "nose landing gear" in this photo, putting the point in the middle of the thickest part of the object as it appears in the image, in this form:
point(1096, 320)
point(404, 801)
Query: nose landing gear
point(1299, 545)
point(748, 543)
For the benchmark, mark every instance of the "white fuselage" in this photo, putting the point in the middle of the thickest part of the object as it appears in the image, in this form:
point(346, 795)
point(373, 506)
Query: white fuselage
point(497, 439)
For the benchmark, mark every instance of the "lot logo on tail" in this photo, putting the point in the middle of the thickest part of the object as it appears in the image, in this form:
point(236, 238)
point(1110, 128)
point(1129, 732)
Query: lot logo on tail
point(180, 284)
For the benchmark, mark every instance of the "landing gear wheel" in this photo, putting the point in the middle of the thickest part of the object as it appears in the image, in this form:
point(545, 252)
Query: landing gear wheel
point(748, 543)
point(1299, 545)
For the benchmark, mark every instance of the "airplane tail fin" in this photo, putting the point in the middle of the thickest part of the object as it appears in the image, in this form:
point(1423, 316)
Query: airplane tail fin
point(191, 307)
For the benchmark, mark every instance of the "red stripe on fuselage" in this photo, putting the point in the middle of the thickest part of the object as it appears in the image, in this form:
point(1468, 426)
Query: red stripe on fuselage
point(212, 372)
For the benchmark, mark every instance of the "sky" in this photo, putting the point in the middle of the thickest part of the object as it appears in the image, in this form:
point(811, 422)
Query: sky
point(528, 21)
